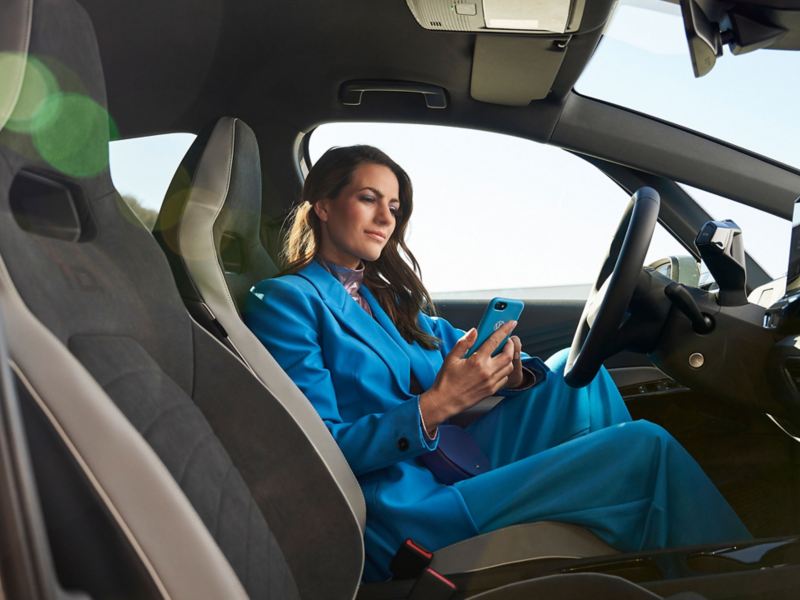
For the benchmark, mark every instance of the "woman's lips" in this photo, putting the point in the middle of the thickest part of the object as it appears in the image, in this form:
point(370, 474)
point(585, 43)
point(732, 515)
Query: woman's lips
point(376, 236)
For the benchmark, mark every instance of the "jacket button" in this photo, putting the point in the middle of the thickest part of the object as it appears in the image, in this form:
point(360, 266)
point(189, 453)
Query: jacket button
point(402, 443)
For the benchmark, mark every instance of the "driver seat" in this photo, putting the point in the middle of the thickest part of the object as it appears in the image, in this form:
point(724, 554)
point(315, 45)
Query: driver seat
point(208, 227)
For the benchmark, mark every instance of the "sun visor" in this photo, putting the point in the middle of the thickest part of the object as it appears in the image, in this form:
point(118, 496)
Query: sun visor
point(514, 70)
point(531, 17)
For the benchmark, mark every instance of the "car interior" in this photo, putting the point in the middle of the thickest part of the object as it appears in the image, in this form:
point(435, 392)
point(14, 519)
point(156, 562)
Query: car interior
point(152, 448)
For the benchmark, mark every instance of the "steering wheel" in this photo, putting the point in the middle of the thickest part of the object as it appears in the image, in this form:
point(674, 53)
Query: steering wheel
point(609, 298)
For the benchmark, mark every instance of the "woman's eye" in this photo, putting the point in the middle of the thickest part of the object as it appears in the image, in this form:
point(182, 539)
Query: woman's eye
point(394, 209)
point(368, 198)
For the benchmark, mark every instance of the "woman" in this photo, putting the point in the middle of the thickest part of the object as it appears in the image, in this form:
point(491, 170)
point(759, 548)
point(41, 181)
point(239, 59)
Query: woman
point(347, 322)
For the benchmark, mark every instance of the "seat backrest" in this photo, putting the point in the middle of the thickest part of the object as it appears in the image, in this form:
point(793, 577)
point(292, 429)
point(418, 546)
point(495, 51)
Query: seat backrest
point(138, 407)
point(208, 227)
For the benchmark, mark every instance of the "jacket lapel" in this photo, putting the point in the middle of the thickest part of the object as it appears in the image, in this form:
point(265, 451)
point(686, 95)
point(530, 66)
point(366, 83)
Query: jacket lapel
point(424, 370)
point(354, 319)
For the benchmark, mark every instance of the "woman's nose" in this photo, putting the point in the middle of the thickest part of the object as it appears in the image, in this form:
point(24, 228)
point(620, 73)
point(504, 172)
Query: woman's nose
point(383, 214)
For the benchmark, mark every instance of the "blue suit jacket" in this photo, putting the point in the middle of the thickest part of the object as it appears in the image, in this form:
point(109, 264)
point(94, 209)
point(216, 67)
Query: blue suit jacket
point(355, 370)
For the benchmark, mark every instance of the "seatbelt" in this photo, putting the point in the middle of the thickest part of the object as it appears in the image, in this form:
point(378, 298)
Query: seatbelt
point(201, 313)
point(412, 561)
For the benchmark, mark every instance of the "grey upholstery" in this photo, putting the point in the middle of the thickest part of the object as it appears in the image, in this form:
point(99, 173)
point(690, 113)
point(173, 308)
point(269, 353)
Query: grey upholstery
point(543, 540)
point(15, 29)
point(116, 373)
point(216, 193)
point(218, 183)
point(84, 448)
point(574, 586)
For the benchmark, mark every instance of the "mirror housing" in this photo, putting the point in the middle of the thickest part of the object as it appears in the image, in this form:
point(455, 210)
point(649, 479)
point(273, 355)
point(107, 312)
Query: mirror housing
point(683, 269)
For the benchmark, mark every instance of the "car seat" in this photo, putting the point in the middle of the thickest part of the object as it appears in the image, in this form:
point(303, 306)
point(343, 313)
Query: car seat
point(119, 384)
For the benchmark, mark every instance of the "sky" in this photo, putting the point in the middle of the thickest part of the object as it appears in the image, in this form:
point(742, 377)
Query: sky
point(493, 211)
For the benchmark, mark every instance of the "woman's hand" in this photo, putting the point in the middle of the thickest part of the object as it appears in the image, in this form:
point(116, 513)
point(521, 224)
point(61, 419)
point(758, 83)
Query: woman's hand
point(463, 382)
point(517, 376)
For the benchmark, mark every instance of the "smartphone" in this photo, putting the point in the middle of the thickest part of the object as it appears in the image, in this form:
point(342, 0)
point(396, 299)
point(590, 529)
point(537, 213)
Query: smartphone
point(497, 313)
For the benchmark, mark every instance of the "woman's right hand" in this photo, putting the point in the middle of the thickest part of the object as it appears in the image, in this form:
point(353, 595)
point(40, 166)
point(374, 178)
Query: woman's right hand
point(463, 382)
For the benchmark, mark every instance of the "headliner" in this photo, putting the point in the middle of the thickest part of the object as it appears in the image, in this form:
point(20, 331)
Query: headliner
point(178, 65)
point(175, 65)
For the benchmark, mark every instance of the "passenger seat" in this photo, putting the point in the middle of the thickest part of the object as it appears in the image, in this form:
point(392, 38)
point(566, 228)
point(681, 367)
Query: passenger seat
point(166, 469)
point(208, 226)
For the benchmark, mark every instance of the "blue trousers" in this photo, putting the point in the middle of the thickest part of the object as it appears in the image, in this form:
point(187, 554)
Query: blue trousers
point(575, 456)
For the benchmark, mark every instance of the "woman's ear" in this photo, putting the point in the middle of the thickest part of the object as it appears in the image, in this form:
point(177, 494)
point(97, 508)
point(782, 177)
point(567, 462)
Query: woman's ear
point(321, 208)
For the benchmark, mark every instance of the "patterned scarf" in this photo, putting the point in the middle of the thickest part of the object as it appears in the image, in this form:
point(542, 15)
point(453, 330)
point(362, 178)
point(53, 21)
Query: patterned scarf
point(351, 280)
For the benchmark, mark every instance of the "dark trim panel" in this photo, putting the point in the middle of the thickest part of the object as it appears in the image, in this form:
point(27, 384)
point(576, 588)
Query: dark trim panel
point(592, 127)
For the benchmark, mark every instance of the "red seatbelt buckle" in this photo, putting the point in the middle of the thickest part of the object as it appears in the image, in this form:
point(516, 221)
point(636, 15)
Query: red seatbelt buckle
point(410, 560)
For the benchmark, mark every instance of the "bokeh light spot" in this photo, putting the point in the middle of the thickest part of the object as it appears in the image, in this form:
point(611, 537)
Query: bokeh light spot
point(72, 135)
point(38, 86)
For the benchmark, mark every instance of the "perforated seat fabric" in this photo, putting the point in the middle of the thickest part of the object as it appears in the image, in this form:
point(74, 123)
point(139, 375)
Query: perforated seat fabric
point(81, 263)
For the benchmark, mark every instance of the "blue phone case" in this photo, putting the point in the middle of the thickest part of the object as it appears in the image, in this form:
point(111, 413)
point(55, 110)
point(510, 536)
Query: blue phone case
point(498, 312)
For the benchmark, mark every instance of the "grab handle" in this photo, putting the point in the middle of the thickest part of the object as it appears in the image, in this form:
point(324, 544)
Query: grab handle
point(351, 92)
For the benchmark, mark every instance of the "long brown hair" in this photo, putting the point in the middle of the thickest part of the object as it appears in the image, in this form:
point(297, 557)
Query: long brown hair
point(394, 277)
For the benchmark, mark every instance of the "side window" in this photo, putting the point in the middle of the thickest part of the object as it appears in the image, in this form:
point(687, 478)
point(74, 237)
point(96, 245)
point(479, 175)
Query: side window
point(496, 214)
point(142, 169)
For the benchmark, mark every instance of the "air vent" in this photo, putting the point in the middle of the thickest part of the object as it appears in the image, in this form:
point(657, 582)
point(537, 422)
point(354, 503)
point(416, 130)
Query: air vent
point(436, 23)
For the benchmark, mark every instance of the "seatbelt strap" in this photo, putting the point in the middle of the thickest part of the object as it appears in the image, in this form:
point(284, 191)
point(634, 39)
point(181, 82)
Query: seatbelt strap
point(432, 585)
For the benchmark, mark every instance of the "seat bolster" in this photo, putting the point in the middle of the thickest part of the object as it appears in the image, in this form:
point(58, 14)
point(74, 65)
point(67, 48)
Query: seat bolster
point(198, 250)
point(274, 378)
point(575, 586)
point(206, 198)
point(149, 508)
point(15, 37)
point(518, 543)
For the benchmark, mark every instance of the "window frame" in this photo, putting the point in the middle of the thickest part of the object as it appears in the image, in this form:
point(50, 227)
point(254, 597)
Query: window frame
point(682, 227)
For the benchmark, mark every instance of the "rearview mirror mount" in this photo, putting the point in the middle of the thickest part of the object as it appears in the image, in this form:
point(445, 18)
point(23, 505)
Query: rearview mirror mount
point(711, 24)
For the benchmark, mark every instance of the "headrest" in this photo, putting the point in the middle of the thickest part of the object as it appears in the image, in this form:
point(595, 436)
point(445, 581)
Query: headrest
point(216, 194)
point(52, 94)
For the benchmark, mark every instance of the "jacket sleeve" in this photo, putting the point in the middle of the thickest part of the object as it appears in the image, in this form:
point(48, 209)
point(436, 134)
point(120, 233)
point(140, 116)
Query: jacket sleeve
point(282, 316)
point(449, 335)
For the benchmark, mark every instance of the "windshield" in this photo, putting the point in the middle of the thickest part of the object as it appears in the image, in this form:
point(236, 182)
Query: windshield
point(643, 63)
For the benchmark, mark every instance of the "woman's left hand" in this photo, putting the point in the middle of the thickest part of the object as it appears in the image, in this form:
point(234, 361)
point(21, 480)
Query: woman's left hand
point(517, 377)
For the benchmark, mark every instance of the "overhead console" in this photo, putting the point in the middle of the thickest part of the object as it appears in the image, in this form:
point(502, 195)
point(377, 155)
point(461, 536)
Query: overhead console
point(520, 66)
point(499, 16)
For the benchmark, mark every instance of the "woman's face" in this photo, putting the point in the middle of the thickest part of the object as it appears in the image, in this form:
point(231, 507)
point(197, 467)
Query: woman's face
point(357, 224)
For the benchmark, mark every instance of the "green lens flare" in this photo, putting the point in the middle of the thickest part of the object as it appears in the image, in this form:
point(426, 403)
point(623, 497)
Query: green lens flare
point(72, 134)
point(38, 85)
